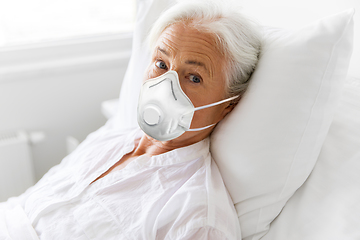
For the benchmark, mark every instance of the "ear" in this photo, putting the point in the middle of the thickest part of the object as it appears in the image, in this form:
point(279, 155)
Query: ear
point(231, 105)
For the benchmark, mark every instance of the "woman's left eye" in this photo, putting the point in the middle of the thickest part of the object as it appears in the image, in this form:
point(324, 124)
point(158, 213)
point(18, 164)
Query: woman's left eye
point(195, 79)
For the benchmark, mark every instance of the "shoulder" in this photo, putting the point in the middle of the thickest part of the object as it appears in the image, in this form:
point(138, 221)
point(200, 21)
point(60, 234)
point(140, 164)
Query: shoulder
point(201, 207)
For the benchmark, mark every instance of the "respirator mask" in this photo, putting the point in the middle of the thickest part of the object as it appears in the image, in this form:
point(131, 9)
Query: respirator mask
point(164, 111)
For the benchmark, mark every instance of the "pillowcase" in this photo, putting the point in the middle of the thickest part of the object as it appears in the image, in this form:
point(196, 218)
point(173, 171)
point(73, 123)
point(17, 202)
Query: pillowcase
point(269, 144)
point(327, 205)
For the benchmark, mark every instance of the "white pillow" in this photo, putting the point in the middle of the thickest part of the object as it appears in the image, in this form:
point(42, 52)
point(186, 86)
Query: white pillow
point(268, 145)
point(327, 206)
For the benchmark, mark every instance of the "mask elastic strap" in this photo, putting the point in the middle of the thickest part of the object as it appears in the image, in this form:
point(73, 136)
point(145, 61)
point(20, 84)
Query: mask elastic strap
point(215, 103)
point(207, 106)
point(199, 129)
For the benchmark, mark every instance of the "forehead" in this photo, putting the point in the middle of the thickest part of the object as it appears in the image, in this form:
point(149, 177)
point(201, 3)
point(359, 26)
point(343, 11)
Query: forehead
point(184, 33)
point(183, 39)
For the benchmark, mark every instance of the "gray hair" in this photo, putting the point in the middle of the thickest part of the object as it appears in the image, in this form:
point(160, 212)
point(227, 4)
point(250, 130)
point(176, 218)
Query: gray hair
point(237, 37)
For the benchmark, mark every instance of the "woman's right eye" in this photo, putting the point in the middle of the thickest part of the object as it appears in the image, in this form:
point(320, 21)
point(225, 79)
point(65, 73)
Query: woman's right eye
point(161, 65)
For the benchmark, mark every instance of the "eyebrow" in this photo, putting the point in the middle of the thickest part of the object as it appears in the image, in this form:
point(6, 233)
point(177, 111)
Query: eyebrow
point(163, 51)
point(190, 62)
point(196, 63)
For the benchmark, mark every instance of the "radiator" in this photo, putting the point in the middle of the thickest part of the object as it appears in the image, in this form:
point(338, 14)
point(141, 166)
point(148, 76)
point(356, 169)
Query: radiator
point(16, 167)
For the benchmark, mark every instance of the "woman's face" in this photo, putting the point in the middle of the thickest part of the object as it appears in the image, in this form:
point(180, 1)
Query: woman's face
point(199, 64)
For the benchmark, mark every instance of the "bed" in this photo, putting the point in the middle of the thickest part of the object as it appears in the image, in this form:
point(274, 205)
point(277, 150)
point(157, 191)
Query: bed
point(289, 153)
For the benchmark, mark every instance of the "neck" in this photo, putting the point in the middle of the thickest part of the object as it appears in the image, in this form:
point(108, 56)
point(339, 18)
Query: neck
point(151, 147)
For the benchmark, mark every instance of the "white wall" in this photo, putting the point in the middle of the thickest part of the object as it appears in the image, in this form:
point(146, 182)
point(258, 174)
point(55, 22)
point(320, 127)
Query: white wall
point(58, 89)
point(294, 14)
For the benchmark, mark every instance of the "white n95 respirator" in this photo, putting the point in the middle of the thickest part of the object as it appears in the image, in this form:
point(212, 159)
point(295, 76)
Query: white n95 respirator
point(164, 111)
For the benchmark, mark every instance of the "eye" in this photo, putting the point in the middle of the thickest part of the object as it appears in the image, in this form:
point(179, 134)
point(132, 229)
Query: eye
point(161, 65)
point(195, 79)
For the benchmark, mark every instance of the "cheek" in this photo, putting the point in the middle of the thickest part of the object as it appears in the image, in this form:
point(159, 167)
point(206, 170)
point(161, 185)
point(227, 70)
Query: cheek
point(196, 92)
point(204, 117)
point(185, 90)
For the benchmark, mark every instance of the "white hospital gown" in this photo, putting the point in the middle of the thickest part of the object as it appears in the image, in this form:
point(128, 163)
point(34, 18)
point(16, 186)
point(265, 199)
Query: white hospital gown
point(176, 195)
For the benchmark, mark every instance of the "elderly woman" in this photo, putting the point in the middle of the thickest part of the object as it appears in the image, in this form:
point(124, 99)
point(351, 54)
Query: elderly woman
point(157, 182)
